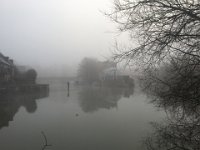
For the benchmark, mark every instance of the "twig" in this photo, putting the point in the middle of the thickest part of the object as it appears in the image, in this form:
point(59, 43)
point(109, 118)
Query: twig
point(46, 142)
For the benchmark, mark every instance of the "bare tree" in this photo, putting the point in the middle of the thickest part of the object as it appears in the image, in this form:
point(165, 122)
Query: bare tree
point(164, 28)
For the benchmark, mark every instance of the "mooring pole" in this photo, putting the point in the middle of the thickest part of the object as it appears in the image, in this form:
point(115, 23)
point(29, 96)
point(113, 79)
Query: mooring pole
point(68, 84)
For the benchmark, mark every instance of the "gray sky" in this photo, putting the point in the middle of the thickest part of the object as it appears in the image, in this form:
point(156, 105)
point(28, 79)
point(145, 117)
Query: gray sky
point(56, 33)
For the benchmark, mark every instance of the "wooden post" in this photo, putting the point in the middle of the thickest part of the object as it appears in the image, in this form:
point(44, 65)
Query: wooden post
point(68, 84)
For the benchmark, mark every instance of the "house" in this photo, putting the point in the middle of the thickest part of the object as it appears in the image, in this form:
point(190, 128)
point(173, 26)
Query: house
point(113, 77)
point(110, 74)
point(108, 70)
point(6, 69)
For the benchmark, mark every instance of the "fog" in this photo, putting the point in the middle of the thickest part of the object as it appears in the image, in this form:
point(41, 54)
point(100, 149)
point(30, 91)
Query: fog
point(52, 36)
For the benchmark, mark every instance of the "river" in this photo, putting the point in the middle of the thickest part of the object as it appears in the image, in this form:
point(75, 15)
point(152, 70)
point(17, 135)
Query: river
point(86, 118)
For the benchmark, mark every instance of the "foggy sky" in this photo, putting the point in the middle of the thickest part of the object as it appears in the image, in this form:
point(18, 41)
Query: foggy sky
point(55, 33)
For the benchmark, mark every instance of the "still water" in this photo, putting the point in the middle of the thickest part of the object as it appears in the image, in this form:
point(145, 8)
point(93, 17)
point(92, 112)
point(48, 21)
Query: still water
point(86, 118)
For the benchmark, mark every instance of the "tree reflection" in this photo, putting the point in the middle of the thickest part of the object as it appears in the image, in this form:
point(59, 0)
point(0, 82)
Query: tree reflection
point(176, 90)
point(11, 102)
point(180, 130)
point(92, 99)
point(175, 134)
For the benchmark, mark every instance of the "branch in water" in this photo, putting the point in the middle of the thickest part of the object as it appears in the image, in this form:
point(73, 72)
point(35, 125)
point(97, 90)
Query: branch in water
point(45, 141)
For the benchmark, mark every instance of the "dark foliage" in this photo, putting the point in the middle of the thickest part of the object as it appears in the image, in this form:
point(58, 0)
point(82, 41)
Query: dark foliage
point(28, 77)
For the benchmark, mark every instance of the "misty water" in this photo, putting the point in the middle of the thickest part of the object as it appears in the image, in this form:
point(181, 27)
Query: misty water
point(86, 118)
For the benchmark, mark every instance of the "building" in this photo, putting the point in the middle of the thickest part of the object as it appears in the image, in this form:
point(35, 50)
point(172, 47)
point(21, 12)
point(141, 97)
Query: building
point(113, 77)
point(108, 70)
point(6, 69)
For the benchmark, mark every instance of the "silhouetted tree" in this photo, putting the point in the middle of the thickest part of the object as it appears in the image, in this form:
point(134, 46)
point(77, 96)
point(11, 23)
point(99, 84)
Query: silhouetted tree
point(164, 28)
point(26, 77)
point(31, 75)
point(89, 70)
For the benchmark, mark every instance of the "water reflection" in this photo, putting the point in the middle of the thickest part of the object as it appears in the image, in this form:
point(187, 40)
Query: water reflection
point(175, 134)
point(180, 130)
point(178, 94)
point(92, 99)
point(11, 102)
